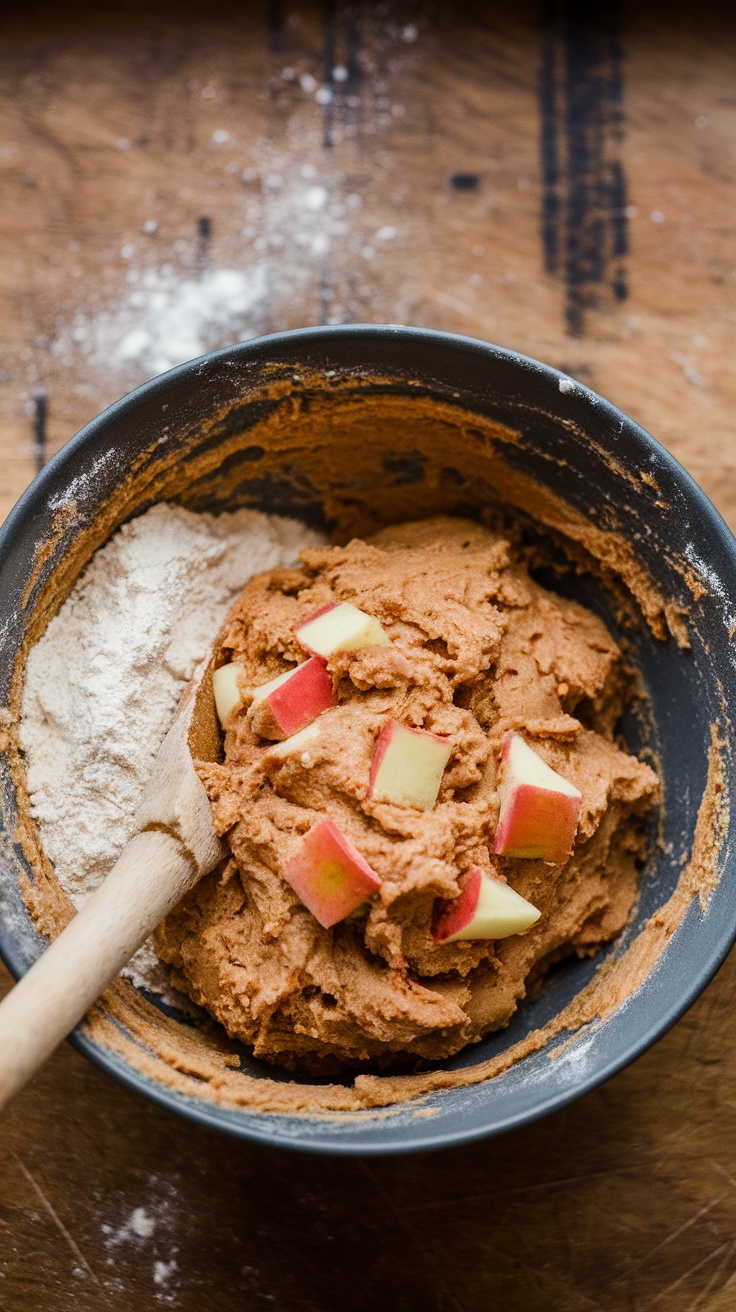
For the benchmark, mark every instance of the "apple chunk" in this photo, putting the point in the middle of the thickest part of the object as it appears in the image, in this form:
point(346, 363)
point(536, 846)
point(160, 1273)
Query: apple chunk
point(484, 908)
point(299, 744)
point(329, 874)
point(539, 809)
point(226, 688)
point(292, 700)
point(408, 765)
point(339, 627)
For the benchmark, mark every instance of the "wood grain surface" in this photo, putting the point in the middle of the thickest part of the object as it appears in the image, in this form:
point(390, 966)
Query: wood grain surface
point(560, 179)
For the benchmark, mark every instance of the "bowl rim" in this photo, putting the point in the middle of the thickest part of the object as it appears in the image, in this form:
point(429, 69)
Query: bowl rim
point(254, 1126)
point(252, 1131)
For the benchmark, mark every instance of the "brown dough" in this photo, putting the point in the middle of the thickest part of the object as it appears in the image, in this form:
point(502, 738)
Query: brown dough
point(476, 648)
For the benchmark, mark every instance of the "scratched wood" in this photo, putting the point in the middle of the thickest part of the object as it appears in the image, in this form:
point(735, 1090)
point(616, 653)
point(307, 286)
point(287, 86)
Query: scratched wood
point(560, 184)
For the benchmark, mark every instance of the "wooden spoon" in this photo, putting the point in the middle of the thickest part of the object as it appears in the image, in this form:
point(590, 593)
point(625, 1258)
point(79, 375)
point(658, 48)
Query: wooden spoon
point(174, 846)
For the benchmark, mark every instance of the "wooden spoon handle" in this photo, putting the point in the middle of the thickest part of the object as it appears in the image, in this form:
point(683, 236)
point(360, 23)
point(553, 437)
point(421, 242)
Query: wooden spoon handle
point(154, 870)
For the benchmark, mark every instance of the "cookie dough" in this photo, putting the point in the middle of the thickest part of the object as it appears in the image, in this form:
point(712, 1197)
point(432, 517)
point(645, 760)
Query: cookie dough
point(476, 648)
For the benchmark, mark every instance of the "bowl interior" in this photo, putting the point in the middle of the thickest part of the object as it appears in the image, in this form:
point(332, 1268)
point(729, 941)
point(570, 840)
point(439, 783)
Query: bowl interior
point(350, 429)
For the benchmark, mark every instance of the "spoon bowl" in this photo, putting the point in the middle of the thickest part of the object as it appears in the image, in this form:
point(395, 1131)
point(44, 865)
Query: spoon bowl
point(349, 428)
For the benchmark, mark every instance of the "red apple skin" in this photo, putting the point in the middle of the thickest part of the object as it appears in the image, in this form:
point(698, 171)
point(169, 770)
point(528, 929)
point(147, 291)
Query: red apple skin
point(536, 823)
point(453, 914)
point(329, 875)
point(308, 620)
point(296, 703)
point(381, 747)
point(532, 811)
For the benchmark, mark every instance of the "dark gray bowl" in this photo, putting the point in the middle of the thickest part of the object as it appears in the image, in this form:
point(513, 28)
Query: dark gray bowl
point(579, 446)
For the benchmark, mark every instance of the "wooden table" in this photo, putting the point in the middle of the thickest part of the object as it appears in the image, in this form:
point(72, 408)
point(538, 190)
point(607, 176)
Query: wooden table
point(560, 185)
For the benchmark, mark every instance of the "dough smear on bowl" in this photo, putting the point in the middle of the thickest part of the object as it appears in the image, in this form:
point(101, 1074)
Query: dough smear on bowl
point(476, 649)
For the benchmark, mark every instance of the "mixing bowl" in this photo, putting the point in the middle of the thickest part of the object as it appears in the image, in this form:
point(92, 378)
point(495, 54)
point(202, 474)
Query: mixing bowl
point(349, 428)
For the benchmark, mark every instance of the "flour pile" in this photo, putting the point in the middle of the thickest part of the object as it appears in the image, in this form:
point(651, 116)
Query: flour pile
point(104, 681)
point(167, 319)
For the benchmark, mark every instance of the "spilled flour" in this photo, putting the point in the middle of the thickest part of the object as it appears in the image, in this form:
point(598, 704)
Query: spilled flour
point(104, 681)
point(166, 320)
point(285, 235)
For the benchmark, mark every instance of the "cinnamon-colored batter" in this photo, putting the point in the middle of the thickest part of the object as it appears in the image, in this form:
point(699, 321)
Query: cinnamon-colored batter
point(476, 648)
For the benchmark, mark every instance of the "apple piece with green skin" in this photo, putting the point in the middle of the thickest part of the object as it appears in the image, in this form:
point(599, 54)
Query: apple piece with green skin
point(229, 696)
point(340, 626)
point(292, 700)
point(408, 765)
point(484, 908)
point(329, 875)
point(300, 744)
point(539, 809)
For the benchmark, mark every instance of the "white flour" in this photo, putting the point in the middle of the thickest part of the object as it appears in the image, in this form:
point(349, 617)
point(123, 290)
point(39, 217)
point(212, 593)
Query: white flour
point(104, 680)
point(291, 237)
point(167, 319)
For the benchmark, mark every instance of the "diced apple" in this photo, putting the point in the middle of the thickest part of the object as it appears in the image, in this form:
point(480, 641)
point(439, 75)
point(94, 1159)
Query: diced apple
point(299, 744)
point(228, 695)
point(339, 627)
point(292, 700)
point(329, 874)
point(484, 908)
point(408, 765)
point(539, 809)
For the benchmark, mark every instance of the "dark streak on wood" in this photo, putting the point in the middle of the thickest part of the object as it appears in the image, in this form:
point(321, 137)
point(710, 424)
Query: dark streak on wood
point(275, 25)
point(465, 181)
point(352, 50)
point(617, 180)
point(550, 161)
point(40, 416)
point(619, 230)
point(583, 218)
point(325, 296)
point(204, 237)
point(328, 61)
point(328, 77)
point(346, 104)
